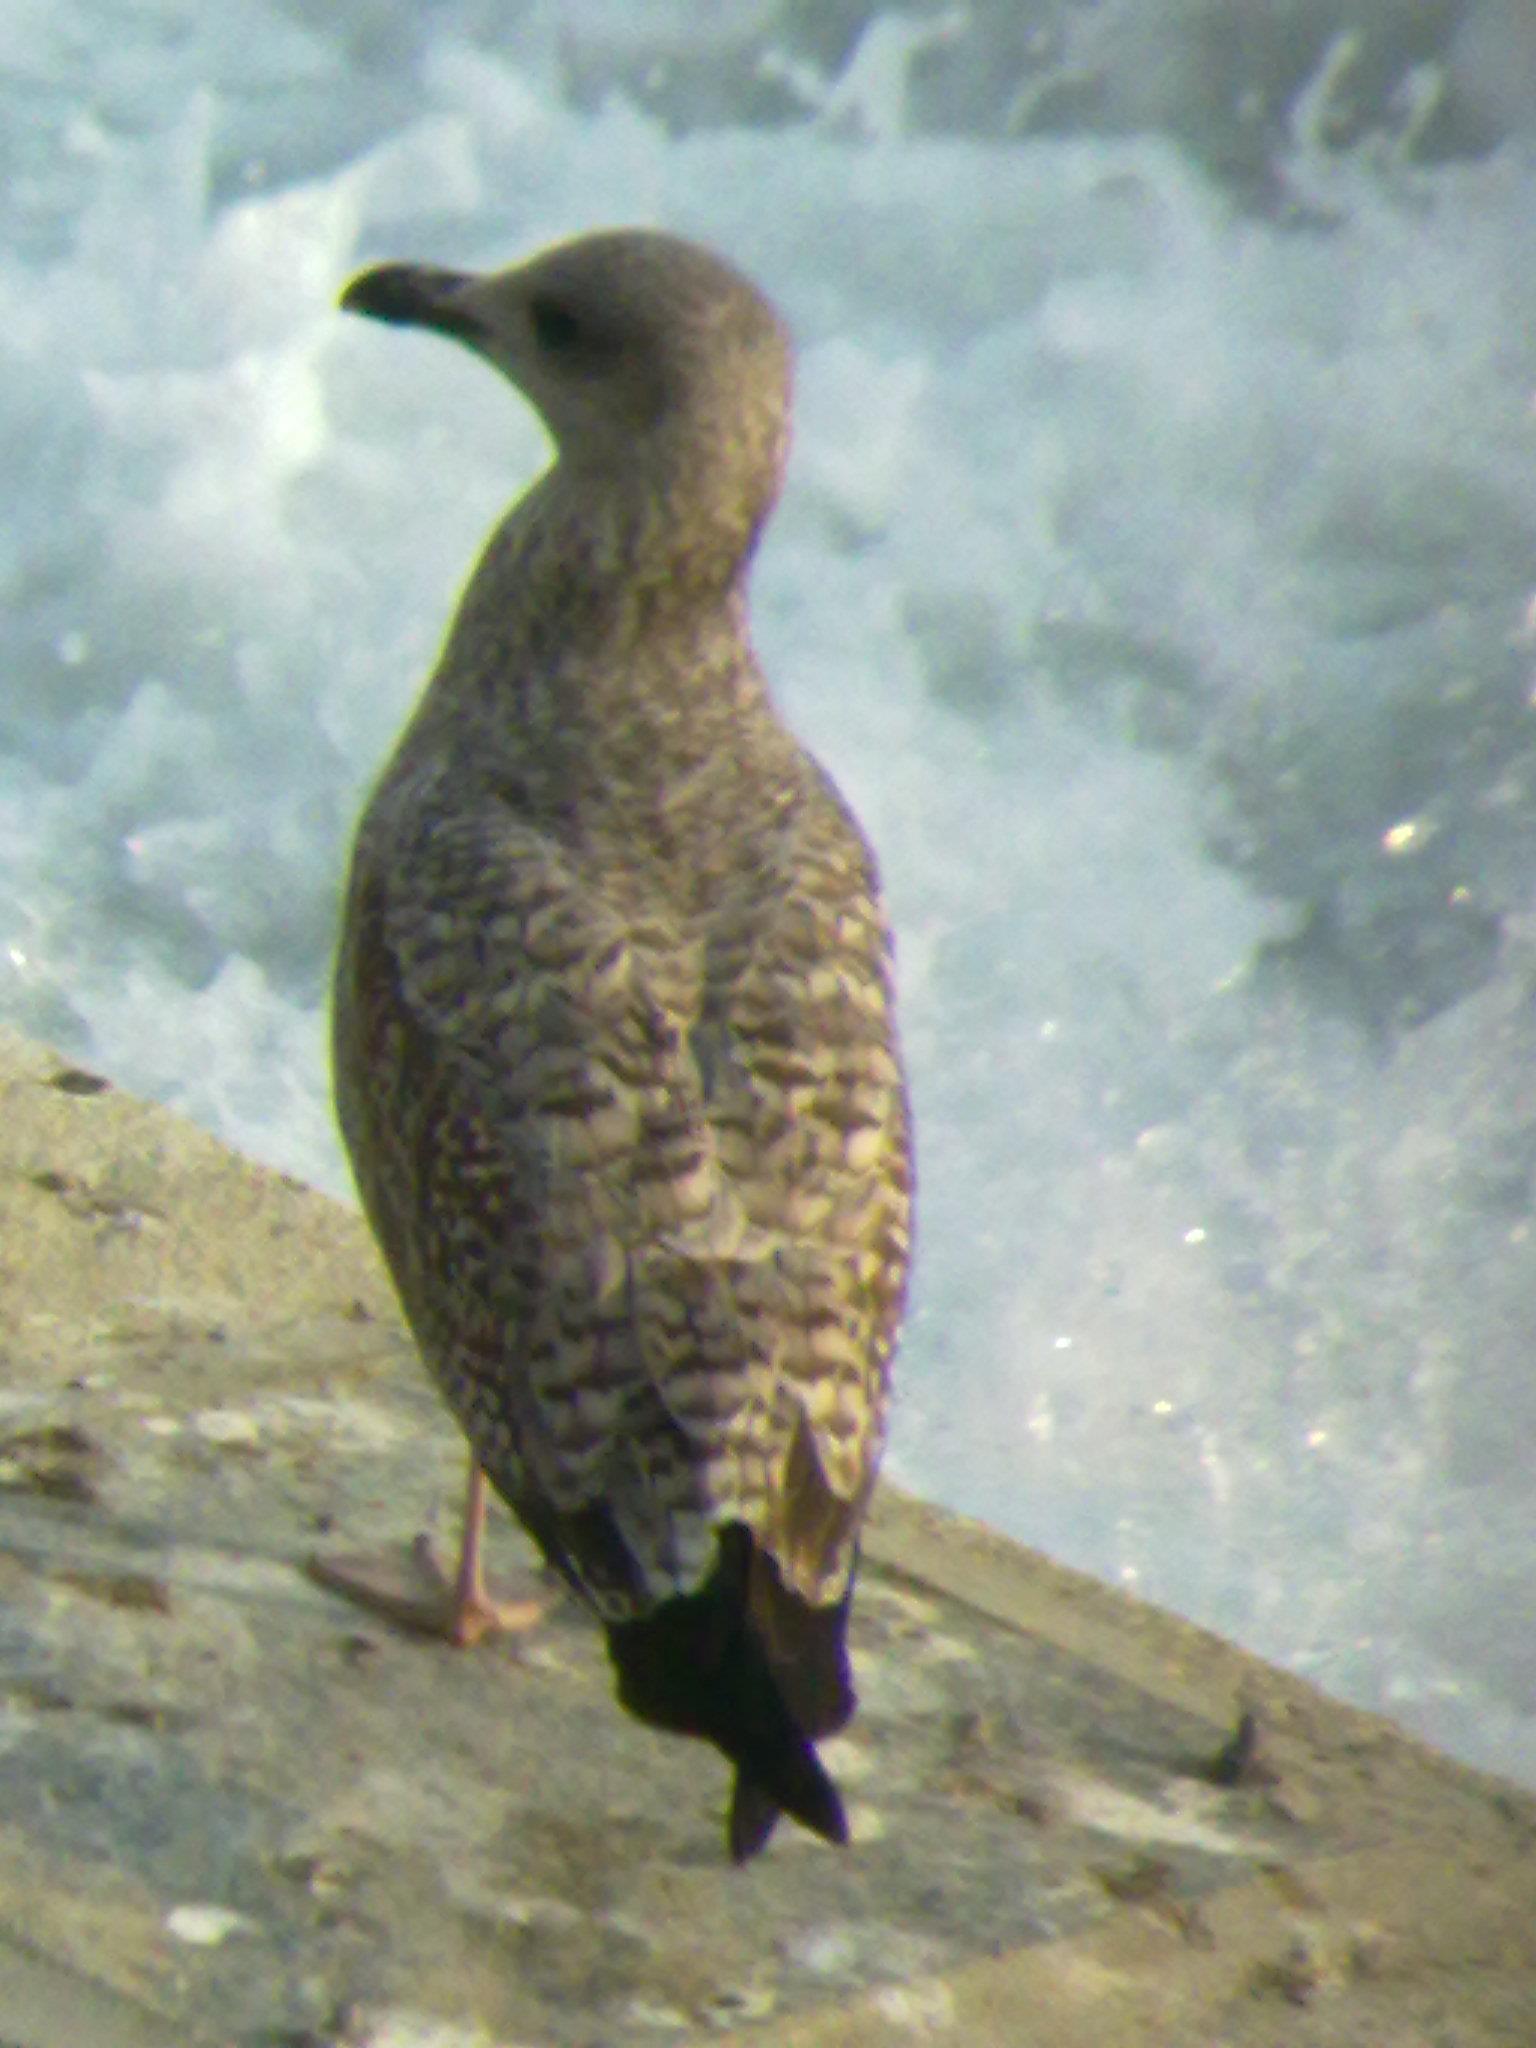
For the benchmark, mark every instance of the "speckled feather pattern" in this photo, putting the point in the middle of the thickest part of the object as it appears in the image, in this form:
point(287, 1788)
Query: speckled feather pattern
point(615, 1057)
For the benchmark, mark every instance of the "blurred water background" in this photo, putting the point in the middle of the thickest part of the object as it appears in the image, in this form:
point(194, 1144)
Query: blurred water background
point(1156, 576)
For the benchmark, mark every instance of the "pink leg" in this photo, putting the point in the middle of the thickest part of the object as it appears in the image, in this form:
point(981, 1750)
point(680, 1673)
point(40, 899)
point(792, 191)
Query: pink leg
point(424, 1597)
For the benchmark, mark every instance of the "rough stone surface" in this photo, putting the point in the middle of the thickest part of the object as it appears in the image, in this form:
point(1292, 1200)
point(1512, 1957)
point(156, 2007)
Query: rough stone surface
point(231, 1813)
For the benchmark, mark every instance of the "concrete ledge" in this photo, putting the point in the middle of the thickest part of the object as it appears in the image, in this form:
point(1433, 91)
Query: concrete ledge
point(232, 1811)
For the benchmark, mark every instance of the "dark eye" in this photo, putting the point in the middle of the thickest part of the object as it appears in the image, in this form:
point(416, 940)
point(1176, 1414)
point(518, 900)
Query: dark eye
point(555, 327)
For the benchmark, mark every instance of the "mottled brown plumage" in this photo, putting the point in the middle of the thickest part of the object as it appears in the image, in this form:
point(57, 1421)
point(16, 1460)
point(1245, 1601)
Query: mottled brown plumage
point(615, 1058)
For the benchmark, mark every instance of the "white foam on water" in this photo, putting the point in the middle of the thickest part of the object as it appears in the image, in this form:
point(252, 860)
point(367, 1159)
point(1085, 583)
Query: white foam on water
point(1153, 576)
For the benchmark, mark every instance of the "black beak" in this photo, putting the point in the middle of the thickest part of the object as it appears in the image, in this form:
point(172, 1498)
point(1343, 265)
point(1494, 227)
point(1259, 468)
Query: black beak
point(415, 295)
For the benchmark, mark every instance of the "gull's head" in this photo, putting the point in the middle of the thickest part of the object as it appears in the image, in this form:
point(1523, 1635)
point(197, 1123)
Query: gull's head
point(646, 355)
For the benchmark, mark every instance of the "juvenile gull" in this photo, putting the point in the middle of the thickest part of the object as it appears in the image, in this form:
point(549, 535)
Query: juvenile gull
point(615, 1055)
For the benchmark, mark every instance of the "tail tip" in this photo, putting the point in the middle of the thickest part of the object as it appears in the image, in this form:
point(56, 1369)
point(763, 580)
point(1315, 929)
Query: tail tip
point(755, 1810)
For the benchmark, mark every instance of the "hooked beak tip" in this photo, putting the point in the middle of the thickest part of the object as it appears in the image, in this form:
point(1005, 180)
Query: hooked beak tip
point(412, 295)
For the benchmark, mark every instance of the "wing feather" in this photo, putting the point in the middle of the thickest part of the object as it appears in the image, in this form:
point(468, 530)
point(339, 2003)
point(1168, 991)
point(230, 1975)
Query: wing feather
point(644, 1189)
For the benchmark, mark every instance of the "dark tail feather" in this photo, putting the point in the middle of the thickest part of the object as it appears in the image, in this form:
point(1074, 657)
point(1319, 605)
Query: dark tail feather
point(752, 1819)
point(755, 1810)
point(756, 1670)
